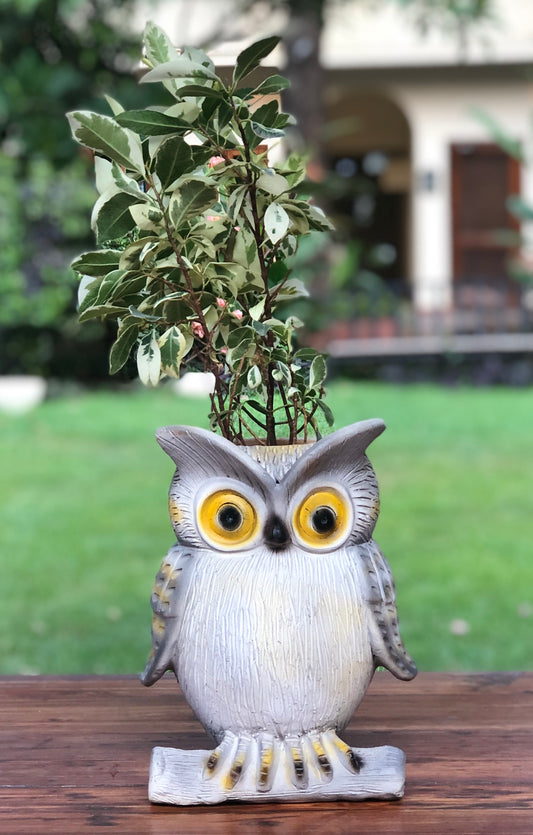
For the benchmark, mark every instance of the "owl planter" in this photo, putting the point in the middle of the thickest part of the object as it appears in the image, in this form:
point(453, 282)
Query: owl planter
point(273, 609)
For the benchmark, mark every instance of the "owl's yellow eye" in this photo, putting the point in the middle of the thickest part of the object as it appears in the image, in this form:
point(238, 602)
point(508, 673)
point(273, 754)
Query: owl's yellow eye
point(323, 519)
point(227, 519)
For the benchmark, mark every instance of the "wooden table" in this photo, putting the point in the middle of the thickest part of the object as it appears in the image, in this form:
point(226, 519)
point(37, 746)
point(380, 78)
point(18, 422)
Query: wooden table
point(74, 758)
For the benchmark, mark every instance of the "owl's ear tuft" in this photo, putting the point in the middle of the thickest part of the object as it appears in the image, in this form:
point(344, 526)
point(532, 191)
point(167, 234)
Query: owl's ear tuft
point(168, 438)
point(200, 454)
point(341, 458)
point(359, 435)
point(181, 441)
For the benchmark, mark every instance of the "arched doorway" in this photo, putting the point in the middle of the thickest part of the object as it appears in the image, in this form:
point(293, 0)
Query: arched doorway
point(369, 141)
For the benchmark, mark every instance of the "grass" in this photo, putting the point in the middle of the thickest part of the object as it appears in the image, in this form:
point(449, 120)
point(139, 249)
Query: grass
point(83, 523)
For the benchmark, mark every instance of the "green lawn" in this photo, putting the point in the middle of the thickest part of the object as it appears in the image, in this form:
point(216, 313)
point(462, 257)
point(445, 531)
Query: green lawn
point(83, 524)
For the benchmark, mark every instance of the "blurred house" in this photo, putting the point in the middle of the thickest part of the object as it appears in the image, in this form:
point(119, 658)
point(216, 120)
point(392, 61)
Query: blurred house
point(443, 187)
point(409, 102)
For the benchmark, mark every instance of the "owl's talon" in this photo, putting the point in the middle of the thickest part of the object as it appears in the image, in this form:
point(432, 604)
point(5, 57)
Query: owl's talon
point(228, 760)
point(356, 762)
point(212, 762)
point(297, 760)
point(324, 764)
point(349, 758)
point(237, 763)
point(266, 763)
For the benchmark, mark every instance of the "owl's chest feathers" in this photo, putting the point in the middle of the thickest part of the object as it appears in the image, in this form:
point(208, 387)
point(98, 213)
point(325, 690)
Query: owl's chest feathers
point(268, 630)
point(291, 592)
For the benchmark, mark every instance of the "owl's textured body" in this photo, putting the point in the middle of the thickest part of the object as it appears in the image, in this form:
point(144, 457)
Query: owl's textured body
point(275, 606)
point(282, 645)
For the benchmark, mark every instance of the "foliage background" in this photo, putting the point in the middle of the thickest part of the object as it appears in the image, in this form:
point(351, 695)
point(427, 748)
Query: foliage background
point(54, 55)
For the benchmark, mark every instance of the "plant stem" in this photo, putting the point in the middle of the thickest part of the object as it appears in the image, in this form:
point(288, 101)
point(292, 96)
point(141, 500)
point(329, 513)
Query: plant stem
point(217, 399)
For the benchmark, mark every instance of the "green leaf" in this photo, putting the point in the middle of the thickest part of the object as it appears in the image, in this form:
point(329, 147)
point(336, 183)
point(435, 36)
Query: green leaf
point(519, 208)
point(293, 288)
point(103, 174)
point(186, 111)
point(114, 106)
point(87, 288)
point(114, 219)
point(190, 199)
point(130, 285)
point(151, 122)
point(102, 311)
point(107, 287)
point(126, 184)
point(121, 348)
point(267, 114)
point(235, 201)
point(173, 159)
point(239, 334)
point(254, 378)
point(326, 411)
point(318, 219)
point(199, 91)
point(179, 67)
point(246, 348)
point(232, 275)
point(257, 310)
point(129, 258)
point(272, 183)
point(271, 85)
point(198, 56)
point(158, 46)
point(245, 250)
point(138, 314)
point(250, 58)
point(293, 321)
point(284, 373)
point(509, 143)
point(317, 372)
point(97, 263)
point(277, 222)
point(267, 133)
point(149, 359)
point(305, 354)
point(103, 135)
point(146, 217)
point(88, 294)
point(174, 345)
point(262, 328)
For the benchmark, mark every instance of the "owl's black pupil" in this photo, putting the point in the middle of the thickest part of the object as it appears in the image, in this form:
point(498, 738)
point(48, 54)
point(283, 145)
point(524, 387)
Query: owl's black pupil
point(229, 517)
point(324, 520)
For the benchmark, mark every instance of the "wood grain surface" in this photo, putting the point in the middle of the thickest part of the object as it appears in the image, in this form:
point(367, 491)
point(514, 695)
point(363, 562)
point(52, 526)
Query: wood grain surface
point(75, 752)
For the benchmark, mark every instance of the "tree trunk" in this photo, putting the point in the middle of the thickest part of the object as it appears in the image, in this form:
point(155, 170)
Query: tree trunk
point(304, 97)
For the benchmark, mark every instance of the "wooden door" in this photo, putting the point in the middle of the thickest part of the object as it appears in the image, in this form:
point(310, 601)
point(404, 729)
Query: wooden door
point(483, 176)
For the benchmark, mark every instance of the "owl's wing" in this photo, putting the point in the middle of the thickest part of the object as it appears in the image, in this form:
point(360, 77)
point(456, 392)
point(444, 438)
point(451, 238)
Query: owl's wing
point(387, 645)
point(166, 599)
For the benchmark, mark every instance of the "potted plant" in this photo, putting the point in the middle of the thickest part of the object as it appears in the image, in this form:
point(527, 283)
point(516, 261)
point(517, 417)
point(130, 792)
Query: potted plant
point(275, 605)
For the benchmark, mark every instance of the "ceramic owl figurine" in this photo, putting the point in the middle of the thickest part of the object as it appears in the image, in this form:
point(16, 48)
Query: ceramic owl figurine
point(274, 609)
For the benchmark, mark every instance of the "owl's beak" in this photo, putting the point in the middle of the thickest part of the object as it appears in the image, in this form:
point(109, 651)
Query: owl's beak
point(276, 534)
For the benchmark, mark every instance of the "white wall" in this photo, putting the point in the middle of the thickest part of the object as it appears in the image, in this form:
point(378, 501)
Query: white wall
point(359, 34)
point(356, 34)
point(439, 115)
